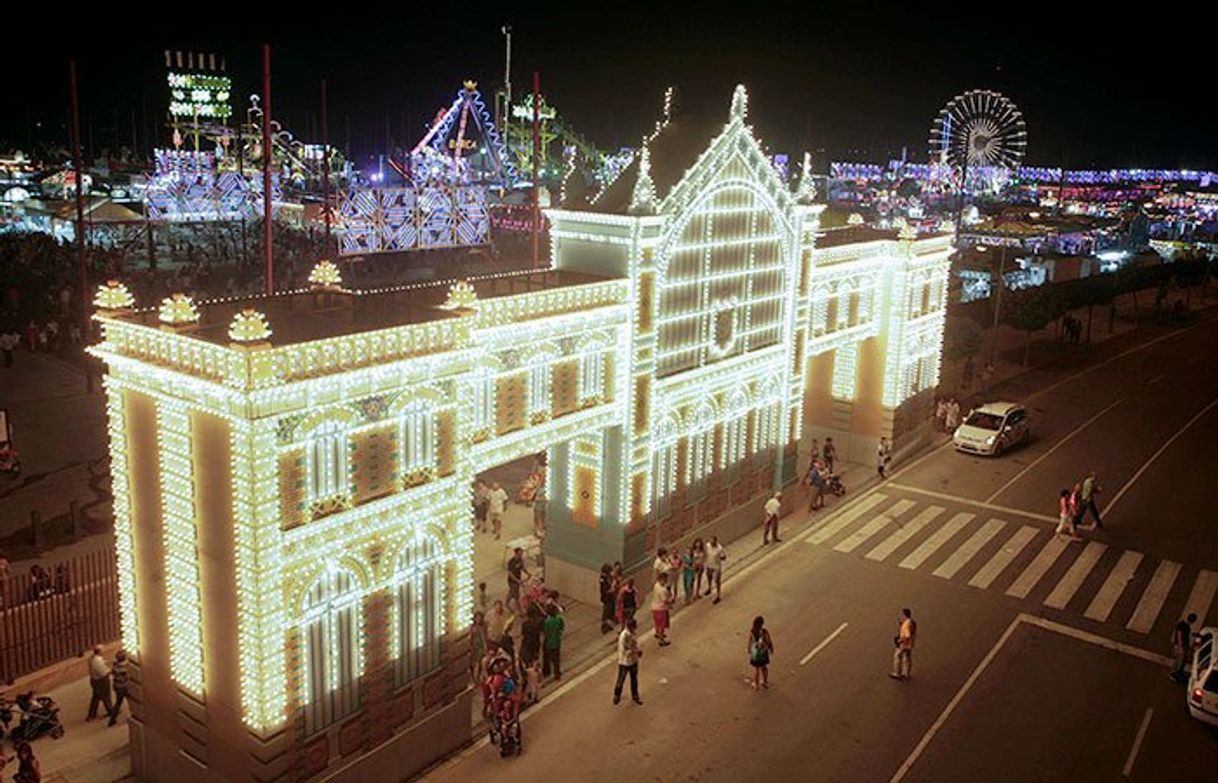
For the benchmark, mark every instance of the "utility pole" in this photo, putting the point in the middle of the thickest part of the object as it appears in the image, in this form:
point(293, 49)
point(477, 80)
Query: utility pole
point(82, 295)
point(999, 285)
point(325, 168)
point(269, 282)
point(507, 82)
point(536, 169)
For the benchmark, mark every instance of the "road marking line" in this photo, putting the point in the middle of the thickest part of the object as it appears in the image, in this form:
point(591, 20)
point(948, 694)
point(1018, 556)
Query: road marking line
point(1069, 584)
point(874, 526)
point(971, 502)
point(1137, 742)
point(1056, 446)
point(823, 644)
point(1003, 557)
point(1202, 596)
point(969, 549)
point(904, 533)
point(1020, 619)
point(936, 540)
point(1153, 457)
point(1043, 561)
point(1153, 597)
point(1114, 585)
point(831, 527)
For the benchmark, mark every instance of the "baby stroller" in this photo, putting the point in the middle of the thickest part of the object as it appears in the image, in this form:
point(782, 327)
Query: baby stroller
point(505, 727)
point(834, 485)
point(39, 716)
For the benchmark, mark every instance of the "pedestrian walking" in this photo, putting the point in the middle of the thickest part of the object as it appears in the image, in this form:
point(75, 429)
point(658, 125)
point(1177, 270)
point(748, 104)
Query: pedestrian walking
point(761, 647)
point(516, 574)
point(99, 683)
point(551, 651)
point(902, 655)
point(829, 454)
point(608, 597)
point(497, 501)
point(1065, 517)
point(481, 505)
point(941, 414)
point(883, 455)
point(628, 654)
point(7, 344)
point(627, 602)
point(1087, 492)
point(716, 555)
point(772, 508)
point(119, 679)
point(816, 485)
point(661, 602)
point(1182, 645)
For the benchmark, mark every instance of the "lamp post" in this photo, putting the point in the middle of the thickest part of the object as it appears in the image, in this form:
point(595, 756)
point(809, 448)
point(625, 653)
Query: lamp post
point(999, 285)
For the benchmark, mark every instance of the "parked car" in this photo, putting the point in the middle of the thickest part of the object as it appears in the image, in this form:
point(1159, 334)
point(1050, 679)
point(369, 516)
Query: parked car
point(992, 429)
point(1203, 679)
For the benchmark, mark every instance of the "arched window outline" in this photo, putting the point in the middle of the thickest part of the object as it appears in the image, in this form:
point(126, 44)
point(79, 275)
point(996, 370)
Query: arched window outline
point(701, 460)
point(328, 461)
point(663, 467)
point(331, 648)
point(417, 423)
point(419, 620)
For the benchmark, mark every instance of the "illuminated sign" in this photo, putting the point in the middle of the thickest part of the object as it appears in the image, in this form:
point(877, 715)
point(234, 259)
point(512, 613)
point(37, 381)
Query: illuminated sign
point(200, 95)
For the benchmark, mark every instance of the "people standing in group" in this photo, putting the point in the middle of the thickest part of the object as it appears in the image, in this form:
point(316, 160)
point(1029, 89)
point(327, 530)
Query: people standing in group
point(628, 654)
point(902, 655)
point(1088, 489)
point(660, 564)
point(883, 455)
point(661, 604)
point(675, 565)
point(1182, 646)
point(716, 555)
point(816, 485)
point(481, 505)
point(497, 501)
point(99, 683)
point(773, 507)
point(829, 454)
point(119, 679)
point(814, 454)
point(1065, 516)
point(530, 636)
point(516, 575)
point(608, 597)
point(761, 647)
point(627, 602)
point(687, 574)
point(7, 344)
point(498, 622)
point(551, 652)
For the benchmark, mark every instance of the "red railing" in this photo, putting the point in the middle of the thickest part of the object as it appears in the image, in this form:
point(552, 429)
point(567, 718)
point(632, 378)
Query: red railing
point(57, 614)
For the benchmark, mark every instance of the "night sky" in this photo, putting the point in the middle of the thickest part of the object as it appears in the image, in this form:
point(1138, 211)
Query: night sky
point(845, 80)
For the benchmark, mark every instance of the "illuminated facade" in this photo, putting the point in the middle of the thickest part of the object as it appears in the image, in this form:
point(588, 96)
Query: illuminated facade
point(291, 473)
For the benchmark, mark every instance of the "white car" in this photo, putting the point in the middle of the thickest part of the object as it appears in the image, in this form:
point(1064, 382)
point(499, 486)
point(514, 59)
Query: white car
point(992, 428)
point(1203, 679)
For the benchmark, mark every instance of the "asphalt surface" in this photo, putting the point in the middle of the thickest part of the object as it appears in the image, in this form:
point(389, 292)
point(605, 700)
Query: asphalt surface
point(1037, 658)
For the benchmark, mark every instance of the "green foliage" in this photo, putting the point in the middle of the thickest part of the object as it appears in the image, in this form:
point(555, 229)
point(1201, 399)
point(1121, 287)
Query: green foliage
point(1033, 309)
point(962, 338)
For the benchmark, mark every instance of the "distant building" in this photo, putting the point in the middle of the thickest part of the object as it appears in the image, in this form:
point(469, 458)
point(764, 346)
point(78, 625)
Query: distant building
point(291, 473)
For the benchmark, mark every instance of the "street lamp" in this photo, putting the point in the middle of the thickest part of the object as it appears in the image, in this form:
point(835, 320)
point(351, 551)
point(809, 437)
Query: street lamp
point(999, 285)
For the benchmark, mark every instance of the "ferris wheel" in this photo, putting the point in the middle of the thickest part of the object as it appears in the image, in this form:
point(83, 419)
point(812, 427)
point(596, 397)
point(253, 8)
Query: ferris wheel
point(979, 129)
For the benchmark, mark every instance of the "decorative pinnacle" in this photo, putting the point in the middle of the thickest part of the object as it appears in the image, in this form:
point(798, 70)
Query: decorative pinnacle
point(643, 200)
point(249, 326)
point(325, 275)
point(805, 192)
point(113, 296)
point(178, 309)
point(740, 103)
point(461, 295)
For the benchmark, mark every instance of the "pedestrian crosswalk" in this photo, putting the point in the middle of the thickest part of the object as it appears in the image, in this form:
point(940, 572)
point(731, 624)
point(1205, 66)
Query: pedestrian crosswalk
point(1023, 561)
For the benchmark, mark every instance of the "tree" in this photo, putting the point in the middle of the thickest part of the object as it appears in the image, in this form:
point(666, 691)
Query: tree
point(962, 338)
point(1189, 272)
point(1031, 310)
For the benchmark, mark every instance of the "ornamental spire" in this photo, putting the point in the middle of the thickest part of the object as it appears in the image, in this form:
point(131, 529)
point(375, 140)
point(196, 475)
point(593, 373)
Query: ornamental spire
point(643, 200)
point(805, 192)
point(740, 103)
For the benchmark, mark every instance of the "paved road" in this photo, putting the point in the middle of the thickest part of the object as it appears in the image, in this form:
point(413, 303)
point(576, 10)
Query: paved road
point(1037, 659)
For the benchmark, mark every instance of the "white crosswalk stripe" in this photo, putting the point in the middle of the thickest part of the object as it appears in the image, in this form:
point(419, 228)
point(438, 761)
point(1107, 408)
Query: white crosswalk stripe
point(1043, 561)
point(1003, 557)
point(936, 540)
point(831, 527)
point(1151, 603)
point(1069, 584)
point(969, 549)
point(906, 532)
point(886, 517)
point(1118, 579)
point(1202, 596)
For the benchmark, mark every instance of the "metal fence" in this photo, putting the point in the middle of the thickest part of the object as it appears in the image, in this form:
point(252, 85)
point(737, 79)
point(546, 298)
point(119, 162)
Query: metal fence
point(51, 614)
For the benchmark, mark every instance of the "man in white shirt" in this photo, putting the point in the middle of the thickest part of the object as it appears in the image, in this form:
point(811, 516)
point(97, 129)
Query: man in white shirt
point(497, 498)
point(99, 682)
point(715, 555)
point(661, 600)
point(628, 654)
point(772, 508)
